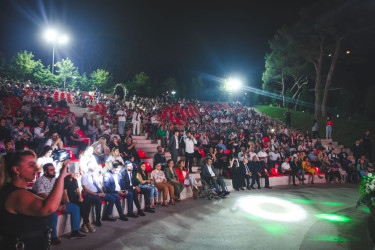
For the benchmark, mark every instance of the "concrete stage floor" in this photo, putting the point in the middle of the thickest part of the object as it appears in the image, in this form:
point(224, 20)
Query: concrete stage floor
point(322, 216)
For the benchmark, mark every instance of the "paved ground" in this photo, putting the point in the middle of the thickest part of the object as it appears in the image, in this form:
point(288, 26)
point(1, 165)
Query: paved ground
point(281, 218)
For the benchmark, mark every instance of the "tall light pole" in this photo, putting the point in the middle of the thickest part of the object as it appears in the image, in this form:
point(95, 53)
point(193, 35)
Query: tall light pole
point(54, 37)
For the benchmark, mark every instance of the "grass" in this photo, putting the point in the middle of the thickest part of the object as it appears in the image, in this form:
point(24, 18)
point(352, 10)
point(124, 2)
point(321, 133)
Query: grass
point(344, 131)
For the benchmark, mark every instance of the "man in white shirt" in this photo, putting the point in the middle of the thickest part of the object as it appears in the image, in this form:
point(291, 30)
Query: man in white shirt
point(121, 114)
point(274, 159)
point(209, 175)
point(189, 150)
point(94, 194)
point(55, 141)
point(154, 124)
point(111, 187)
point(262, 155)
point(40, 134)
point(286, 169)
point(136, 120)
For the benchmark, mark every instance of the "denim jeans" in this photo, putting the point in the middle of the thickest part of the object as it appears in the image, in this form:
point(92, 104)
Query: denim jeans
point(116, 198)
point(328, 132)
point(98, 204)
point(129, 198)
point(75, 218)
point(152, 189)
point(121, 126)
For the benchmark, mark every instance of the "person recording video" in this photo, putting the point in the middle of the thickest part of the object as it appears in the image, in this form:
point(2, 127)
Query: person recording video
point(23, 215)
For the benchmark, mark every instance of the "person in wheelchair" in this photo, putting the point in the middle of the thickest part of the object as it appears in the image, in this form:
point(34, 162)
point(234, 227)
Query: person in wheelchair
point(209, 176)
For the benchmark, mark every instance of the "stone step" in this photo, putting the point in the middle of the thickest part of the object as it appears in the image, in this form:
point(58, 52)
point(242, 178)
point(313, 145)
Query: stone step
point(139, 137)
point(147, 145)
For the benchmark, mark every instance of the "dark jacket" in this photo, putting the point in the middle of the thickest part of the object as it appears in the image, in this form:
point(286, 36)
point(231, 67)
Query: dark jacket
point(125, 181)
point(205, 173)
point(172, 143)
point(159, 158)
point(169, 175)
point(80, 123)
point(109, 184)
point(243, 169)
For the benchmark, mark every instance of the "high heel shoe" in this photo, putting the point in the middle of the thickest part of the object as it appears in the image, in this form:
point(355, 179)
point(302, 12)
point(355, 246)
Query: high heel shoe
point(171, 202)
point(165, 204)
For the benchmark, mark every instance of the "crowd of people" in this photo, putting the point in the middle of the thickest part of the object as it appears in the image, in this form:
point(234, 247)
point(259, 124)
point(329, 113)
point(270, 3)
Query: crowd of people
point(226, 140)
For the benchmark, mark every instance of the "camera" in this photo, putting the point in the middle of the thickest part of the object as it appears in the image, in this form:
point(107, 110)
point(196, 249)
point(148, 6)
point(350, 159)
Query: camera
point(60, 155)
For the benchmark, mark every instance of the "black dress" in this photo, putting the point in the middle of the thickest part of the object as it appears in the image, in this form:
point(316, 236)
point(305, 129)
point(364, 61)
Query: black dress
point(238, 181)
point(32, 231)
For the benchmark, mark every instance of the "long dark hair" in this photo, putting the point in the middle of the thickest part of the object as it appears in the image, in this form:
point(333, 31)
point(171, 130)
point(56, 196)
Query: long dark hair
point(8, 161)
point(44, 150)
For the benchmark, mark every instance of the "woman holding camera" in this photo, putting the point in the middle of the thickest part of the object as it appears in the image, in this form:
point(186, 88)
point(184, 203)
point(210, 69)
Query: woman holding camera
point(23, 215)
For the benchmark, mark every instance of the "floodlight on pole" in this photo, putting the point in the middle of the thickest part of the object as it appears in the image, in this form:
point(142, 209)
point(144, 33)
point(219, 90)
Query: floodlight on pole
point(173, 92)
point(52, 36)
point(233, 84)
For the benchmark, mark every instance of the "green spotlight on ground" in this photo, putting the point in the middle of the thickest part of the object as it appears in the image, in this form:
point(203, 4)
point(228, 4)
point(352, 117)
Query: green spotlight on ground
point(329, 238)
point(336, 204)
point(275, 229)
point(365, 209)
point(333, 217)
point(302, 201)
point(252, 217)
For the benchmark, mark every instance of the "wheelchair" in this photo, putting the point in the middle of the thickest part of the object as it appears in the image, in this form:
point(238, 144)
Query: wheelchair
point(354, 177)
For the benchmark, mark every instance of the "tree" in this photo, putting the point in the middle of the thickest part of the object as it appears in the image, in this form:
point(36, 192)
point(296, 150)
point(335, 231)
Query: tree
point(100, 78)
point(285, 72)
point(83, 82)
point(43, 75)
point(318, 36)
point(24, 63)
point(138, 85)
point(169, 84)
point(66, 70)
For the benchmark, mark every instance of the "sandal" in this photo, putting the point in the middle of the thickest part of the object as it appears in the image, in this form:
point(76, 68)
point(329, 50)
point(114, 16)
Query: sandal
point(171, 202)
point(165, 204)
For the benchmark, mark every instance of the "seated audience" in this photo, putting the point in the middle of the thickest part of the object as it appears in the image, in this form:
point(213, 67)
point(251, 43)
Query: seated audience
point(43, 187)
point(162, 184)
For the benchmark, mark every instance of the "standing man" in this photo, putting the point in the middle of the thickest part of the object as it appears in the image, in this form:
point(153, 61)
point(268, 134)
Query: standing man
point(288, 118)
point(189, 150)
point(121, 114)
point(367, 144)
point(136, 121)
point(154, 124)
point(173, 146)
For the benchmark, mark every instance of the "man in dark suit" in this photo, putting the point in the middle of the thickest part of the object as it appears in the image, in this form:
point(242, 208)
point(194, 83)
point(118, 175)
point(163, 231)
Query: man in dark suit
point(159, 157)
point(111, 186)
point(209, 175)
point(245, 171)
point(259, 170)
point(173, 146)
point(83, 123)
point(129, 182)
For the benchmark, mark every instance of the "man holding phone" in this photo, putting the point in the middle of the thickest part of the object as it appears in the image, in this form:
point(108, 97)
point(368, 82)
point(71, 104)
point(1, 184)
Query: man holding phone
point(43, 187)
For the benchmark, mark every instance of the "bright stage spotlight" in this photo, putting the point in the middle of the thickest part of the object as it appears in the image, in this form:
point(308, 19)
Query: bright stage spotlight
point(63, 39)
point(272, 208)
point(50, 35)
point(233, 84)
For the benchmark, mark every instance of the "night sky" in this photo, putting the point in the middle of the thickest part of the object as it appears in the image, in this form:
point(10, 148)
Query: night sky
point(181, 39)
